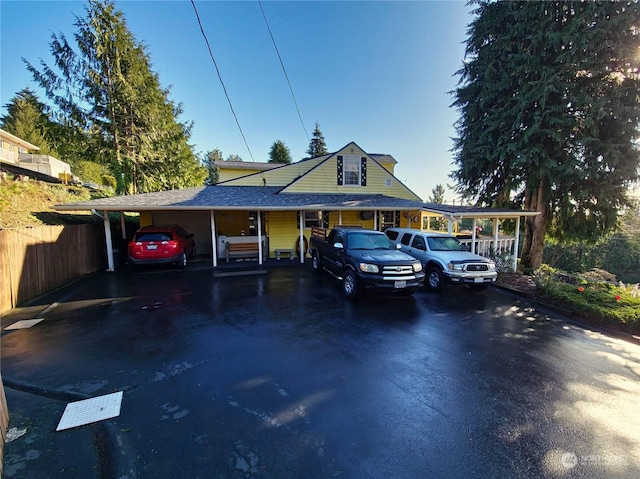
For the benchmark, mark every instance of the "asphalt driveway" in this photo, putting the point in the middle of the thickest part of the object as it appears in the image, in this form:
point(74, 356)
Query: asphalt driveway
point(279, 376)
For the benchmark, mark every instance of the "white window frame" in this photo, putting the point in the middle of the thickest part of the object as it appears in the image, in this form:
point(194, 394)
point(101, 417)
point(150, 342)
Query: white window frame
point(352, 169)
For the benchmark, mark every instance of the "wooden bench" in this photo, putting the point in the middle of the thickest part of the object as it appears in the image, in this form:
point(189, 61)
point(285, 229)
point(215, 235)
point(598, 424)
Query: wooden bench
point(242, 250)
point(290, 252)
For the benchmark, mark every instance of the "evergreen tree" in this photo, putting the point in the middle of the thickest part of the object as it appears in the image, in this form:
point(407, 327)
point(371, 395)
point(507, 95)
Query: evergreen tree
point(209, 162)
point(234, 158)
point(437, 195)
point(549, 114)
point(279, 153)
point(317, 145)
point(106, 89)
point(28, 118)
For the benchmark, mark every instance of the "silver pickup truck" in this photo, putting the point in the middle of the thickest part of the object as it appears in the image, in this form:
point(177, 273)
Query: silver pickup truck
point(444, 258)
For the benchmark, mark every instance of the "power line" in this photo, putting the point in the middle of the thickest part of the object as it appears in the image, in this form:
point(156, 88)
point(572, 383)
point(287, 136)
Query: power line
point(220, 78)
point(283, 69)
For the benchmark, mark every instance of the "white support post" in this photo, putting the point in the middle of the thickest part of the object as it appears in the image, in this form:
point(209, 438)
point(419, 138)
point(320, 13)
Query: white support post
point(450, 225)
point(259, 237)
point(214, 242)
point(301, 239)
point(123, 226)
point(340, 217)
point(515, 246)
point(496, 226)
point(473, 236)
point(375, 219)
point(107, 237)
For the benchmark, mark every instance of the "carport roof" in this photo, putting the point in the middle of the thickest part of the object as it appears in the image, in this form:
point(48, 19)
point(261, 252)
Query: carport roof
point(270, 198)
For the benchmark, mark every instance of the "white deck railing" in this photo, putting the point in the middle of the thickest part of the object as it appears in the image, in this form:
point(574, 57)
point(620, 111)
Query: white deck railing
point(502, 252)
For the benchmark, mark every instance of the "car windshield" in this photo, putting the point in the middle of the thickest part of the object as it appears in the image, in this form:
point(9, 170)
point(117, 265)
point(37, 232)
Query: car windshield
point(369, 241)
point(153, 236)
point(446, 243)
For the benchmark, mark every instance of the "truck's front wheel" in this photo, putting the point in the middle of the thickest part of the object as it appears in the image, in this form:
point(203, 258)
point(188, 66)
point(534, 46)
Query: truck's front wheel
point(435, 280)
point(350, 285)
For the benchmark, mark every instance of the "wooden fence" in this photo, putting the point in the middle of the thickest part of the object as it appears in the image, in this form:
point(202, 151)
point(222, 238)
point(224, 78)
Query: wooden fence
point(36, 260)
point(4, 423)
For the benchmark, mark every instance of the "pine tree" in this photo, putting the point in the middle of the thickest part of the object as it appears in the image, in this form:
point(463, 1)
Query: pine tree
point(437, 195)
point(317, 145)
point(209, 162)
point(549, 114)
point(27, 118)
point(106, 89)
point(279, 153)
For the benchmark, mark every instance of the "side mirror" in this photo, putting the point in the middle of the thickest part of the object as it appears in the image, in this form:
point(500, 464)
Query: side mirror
point(338, 245)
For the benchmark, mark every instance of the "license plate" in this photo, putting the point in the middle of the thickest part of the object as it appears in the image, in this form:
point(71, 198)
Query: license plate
point(478, 280)
point(152, 246)
point(400, 284)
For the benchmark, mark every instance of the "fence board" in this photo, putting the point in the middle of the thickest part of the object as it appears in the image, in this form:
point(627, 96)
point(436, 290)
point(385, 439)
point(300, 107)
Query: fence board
point(40, 259)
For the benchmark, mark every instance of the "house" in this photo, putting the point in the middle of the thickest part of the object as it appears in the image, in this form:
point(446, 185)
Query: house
point(15, 157)
point(276, 206)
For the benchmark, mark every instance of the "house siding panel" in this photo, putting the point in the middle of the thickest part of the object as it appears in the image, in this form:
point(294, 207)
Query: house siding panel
point(323, 180)
point(278, 176)
point(283, 231)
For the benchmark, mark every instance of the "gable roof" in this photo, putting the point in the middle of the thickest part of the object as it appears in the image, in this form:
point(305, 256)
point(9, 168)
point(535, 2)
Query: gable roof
point(307, 176)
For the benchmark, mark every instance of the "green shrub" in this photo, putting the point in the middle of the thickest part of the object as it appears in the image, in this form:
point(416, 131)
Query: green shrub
point(594, 296)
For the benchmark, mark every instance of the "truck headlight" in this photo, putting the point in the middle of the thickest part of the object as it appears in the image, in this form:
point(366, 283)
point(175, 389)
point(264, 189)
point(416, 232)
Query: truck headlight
point(456, 266)
point(417, 267)
point(492, 266)
point(369, 268)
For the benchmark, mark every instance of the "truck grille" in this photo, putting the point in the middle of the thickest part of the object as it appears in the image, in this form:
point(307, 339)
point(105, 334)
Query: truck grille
point(477, 267)
point(396, 273)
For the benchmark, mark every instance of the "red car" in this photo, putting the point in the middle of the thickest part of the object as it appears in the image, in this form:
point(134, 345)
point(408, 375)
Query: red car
point(161, 244)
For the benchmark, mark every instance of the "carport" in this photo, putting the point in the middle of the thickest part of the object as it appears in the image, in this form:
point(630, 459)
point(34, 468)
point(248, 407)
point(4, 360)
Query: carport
point(201, 208)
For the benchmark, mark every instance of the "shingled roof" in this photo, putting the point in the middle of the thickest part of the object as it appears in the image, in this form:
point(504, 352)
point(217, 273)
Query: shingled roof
point(270, 198)
point(263, 198)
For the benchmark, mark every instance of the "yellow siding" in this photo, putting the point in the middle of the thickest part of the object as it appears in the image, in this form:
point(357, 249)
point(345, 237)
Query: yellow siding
point(324, 180)
point(387, 166)
point(283, 231)
point(278, 176)
point(145, 218)
point(229, 174)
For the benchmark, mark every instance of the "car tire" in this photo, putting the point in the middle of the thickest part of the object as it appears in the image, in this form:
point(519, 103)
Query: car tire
point(435, 279)
point(193, 252)
point(350, 285)
point(316, 262)
point(182, 261)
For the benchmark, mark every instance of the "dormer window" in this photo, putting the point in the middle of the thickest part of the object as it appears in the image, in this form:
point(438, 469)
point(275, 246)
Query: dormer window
point(352, 170)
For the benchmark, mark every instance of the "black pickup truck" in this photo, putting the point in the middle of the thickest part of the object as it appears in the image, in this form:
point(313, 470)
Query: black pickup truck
point(364, 260)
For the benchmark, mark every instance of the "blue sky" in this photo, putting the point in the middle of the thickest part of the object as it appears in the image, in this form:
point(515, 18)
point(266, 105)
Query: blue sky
point(377, 73)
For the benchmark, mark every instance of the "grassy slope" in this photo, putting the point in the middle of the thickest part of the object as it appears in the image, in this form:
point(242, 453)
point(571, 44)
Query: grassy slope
point(24, 204)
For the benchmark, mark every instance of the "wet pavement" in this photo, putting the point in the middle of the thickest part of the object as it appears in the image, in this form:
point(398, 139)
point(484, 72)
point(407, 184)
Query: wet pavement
point(279, 376)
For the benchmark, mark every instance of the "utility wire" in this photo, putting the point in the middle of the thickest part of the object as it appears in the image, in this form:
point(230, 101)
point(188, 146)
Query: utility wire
point(283, 69)
point(220, 78)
